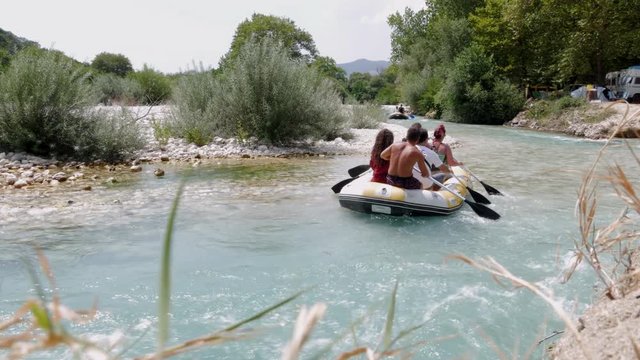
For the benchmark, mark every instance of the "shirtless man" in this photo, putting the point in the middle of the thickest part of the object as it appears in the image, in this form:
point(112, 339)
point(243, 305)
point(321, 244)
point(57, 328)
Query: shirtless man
point(402, 157)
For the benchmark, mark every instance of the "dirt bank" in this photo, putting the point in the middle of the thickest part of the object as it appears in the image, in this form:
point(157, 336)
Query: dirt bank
point(609, 328)
point(595, 120)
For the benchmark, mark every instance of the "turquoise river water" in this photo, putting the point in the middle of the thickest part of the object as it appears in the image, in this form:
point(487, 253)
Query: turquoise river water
point(249, 233)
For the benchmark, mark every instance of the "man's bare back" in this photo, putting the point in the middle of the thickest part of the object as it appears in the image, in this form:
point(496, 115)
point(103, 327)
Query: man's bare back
point(402, 158)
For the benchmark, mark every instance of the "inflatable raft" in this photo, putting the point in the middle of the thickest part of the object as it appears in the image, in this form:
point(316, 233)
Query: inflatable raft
point(370, 197)
point(399, 116)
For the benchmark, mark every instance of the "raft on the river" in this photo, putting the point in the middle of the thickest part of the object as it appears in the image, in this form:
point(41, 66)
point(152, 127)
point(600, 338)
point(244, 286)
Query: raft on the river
point(371, 197)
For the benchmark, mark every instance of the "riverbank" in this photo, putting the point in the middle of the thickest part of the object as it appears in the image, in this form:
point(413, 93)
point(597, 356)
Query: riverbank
point(24, 171)
point(595, 120)
point(608, 328)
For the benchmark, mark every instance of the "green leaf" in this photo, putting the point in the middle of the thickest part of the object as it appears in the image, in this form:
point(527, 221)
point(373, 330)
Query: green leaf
point(165, 273)
point(42, 316)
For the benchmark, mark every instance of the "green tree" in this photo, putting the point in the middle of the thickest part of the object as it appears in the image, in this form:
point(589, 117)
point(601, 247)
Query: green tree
point(299, 43)
point(389, 92)
point(108, 63)
point(327, 67)
point(156, 87)
point(474, 93)
point(361, 88)
point(521, 39)
point(600, 36)
point(406, 30)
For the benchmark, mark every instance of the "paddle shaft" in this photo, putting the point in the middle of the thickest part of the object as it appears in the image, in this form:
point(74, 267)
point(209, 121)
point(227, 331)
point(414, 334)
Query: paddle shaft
point(479, 209)
point(477, 197)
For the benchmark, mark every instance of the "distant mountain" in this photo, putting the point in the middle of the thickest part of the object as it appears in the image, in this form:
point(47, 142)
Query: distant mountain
point(13, 43)
point(364, 66)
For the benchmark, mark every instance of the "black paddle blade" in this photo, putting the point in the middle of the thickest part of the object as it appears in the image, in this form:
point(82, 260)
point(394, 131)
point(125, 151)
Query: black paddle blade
point(337, 187)
point(477, 197)
point(490, 189)
point(483, 211)
point(355, 171)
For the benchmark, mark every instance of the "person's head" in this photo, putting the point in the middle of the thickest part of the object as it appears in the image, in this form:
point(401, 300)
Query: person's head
point(384, 139)
point(439, 132)
point(413, 134)
point(416, 125)
point(424, 135)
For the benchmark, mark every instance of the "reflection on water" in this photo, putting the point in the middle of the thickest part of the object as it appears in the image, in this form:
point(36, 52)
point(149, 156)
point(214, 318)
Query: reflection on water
point(249, 233)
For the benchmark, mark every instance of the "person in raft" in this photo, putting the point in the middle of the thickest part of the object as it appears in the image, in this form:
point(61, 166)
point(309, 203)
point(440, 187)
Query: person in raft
point(433, 161)
point(380, 166)
point(443, 150)
point(402, 157)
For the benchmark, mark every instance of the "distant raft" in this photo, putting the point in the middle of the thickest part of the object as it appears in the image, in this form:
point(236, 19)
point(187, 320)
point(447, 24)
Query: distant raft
point(399, 116)
point(371, 197)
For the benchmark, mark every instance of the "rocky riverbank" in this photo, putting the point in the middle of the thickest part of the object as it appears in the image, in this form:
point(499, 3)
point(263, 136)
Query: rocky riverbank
point(608, 329)
point(595, 120)
point(24, 171)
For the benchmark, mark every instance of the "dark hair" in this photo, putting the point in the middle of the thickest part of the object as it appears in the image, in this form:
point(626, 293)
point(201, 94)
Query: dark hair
point(417, 125)
point(424, 135)
point(384, 139)
point(438, 133)
point(413, 134)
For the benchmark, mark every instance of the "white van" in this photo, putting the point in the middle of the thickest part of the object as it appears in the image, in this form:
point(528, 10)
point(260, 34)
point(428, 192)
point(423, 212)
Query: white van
point(630, 85)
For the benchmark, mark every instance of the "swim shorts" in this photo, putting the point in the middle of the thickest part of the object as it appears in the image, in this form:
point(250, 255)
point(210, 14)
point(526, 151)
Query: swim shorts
point(404, 182)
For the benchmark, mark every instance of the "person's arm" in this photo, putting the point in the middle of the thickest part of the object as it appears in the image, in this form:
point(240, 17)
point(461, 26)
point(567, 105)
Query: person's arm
point(386, 153)
point(444, 168)
point(422, 165)
point(451, 161)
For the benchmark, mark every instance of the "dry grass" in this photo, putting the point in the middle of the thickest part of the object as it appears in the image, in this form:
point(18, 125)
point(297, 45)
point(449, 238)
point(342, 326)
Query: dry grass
point(38, 325)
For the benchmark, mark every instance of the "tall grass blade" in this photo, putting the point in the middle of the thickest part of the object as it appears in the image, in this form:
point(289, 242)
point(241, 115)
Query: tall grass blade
point(165, 273)
point(264, 312)
point(391, 314)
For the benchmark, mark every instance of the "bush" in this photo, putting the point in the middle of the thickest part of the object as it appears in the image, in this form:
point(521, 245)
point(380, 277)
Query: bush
point(46, 109)
point(156, 87)
point(474, 94)
point(111, 89)
point(366, 116)
point(262, 94)
point(542, 109)
point(195, 116)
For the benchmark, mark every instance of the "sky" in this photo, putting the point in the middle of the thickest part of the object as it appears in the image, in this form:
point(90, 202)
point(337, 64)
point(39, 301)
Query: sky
point(172, 36)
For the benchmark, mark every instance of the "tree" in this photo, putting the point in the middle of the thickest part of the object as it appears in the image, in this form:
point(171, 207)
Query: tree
point(474, 93)
point(406, 30)
point(327, 67)
point(299, 43)
point(599, 36)
point(155, 86)
point(360, 87)
point(117, 64)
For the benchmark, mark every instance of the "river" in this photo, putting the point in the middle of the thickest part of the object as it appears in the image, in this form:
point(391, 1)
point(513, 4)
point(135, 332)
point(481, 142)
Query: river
point(250, 233)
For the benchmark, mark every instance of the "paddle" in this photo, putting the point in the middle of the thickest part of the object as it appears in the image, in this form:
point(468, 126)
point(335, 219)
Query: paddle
point(338, 187)
point(477, 197)
point(479, 209)
point(488, 188)
point(357, 170)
